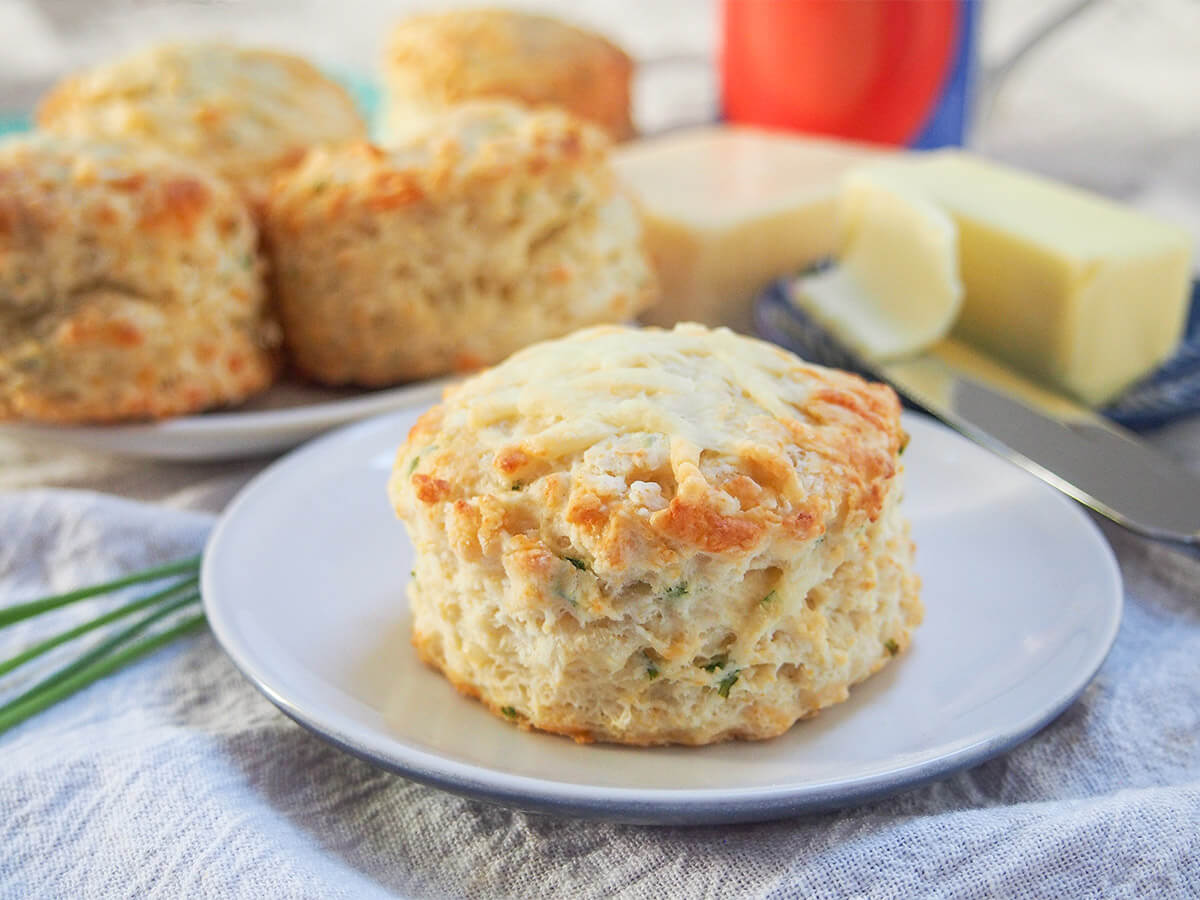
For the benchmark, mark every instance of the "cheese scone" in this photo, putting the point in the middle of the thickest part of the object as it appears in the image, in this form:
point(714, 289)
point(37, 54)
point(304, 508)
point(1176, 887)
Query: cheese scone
point(244, 111)
point(131, 285)
point(648, 536)
point(437, 60)
point(496, 228)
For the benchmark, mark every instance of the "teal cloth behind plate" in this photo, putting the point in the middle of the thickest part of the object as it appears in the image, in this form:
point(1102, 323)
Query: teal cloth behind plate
point(367, 95)
point(177, 778)
point(365, 91)
point(11, 124)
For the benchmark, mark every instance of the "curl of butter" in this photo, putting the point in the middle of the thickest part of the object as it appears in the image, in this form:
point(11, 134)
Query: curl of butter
point(894, 289)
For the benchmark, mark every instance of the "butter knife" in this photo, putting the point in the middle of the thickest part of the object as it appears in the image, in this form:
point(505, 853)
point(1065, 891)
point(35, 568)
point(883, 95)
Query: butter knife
point(1070, 447)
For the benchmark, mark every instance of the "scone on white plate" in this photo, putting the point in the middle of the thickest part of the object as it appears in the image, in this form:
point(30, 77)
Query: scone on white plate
point(648, 536)
point(131, 285)
point(244, 111)
point(496, 228)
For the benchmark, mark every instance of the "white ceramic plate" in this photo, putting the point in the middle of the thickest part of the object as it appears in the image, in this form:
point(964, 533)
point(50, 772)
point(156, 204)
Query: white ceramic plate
point(304, 582)
point(284, 416)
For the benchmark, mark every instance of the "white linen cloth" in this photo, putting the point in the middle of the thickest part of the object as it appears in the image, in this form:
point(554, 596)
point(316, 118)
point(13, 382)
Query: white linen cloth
point(176, 778)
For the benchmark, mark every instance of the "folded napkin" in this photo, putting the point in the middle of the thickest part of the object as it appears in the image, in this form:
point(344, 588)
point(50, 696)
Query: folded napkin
point(176, 778)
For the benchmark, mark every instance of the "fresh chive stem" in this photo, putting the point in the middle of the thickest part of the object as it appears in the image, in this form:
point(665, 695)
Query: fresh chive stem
point(11, 715)
point(11, 614)
point(87, 660)
point(119, 613)
point(111, 653)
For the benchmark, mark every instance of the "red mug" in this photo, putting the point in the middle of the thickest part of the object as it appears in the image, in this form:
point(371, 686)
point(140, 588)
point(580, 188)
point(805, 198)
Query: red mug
point(887, 71)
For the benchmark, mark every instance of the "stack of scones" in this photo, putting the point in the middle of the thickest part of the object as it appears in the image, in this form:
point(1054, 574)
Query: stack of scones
point(193, 219)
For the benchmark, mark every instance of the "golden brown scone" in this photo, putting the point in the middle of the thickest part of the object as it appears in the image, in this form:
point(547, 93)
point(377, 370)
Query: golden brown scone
point(439, 59)
point(130, 285)
point(246, 112)
point(498, 227)
point(657, 536)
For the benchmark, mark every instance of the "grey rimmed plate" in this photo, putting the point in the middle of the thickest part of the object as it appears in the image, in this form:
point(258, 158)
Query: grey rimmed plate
point(304, 581)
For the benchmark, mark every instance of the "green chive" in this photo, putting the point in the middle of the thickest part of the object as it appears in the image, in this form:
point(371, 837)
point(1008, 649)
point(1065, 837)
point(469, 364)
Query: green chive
point(726, 683)
point(717, 662)
point(892, 647)
point(12, 614)
point(92, 656)
point(517, 485)
point(651, 672)
point(509, 711)
point(412, 466)
point(676, 590)
point(768, 600)
point(13, 714)
point(119, 613)
point(577, 563)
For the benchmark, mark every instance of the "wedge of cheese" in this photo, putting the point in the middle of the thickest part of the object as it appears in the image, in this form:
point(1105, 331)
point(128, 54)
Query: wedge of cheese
point(1073, 289)
point(894, 289)
point(729, 209)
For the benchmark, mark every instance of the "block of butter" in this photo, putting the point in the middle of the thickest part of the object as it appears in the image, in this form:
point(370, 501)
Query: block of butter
point(729, 209)
point(1075, 290)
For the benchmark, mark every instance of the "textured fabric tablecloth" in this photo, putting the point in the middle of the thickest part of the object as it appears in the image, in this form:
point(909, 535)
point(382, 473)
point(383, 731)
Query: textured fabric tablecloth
point(176, 778)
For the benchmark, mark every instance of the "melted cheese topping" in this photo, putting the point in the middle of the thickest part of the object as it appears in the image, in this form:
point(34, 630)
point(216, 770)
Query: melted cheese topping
point(737, 439)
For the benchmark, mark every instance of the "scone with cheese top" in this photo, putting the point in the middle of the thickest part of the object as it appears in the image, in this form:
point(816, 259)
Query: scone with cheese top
point(496, 228)
point(648, 536)
point(131, 285)
point(437, 60)
point(246, 112)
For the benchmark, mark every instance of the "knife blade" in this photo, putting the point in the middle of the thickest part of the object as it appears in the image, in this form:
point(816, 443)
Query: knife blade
point(1068, 446)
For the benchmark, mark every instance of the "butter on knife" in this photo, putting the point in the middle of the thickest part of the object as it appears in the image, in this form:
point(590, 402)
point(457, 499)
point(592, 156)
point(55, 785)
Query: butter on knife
point(1072, 289)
